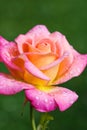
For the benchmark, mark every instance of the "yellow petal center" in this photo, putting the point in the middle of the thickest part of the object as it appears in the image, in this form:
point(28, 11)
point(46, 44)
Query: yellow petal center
point(44, 87)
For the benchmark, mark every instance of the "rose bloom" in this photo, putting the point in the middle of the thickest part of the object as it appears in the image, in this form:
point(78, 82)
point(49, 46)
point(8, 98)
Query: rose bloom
point(38, 61)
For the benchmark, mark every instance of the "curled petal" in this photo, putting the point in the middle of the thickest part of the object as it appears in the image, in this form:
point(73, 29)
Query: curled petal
point(77, 67)
point(20, 40)
point(48, 58)
point(61, 42)
point(39, 31)
point(40, 100)
point(64, 97)
point(8, 52)
point(23, 42)
point(34, 70)
point(57, 97)
point(56, 62)
point(36, 33)
point(2, 43)
point(63, 46)
point(9, 86)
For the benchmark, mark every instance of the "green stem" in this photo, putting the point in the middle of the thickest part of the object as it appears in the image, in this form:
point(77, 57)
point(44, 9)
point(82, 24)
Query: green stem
point(44, 121)
point(32, 118)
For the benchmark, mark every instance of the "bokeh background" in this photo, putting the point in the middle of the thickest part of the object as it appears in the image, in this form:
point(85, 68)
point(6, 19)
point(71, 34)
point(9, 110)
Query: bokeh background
point(66, 16)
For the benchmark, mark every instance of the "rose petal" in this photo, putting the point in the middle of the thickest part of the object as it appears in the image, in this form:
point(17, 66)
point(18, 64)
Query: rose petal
point(22, 40)
point(8, 52)
point(31, 68)
point(52, 69)
point(56, 37)
point(38, 32)
point(51, 73)
point(41, 101)
point(62, 46)
point(9, 86)
point(54, 63)
point(63, 97)
point(77, 67)
point(2, 43)
point(57, 97)
point(48, 58)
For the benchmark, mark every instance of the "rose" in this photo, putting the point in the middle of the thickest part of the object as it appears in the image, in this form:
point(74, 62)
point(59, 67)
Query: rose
point(37, 61)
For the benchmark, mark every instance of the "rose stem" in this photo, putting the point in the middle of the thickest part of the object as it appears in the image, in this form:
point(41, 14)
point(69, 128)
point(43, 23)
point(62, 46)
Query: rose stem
point(32, 118)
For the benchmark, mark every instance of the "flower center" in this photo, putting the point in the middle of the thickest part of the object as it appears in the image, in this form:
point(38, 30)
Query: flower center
point(44, 88)
point(44, 47)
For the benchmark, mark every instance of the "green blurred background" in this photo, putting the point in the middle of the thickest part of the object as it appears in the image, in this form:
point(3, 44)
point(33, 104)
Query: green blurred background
point(66, 16)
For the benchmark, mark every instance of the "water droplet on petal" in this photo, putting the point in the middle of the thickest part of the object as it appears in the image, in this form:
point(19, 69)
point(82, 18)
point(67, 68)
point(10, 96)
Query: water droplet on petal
point(71, 73)
point(50, 102)
point(37, 97)
point(37, 104)
point(46, 100)
point(65, 92)
point(71, 102)
point(78, 70)
point(40, 93)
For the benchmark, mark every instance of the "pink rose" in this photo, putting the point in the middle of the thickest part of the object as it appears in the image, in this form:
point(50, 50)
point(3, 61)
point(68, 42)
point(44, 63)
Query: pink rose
point(37, 61)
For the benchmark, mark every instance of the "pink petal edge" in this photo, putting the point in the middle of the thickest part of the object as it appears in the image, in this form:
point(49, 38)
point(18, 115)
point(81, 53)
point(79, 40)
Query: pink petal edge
point(10, 86)
point(20, 40)
point(40, 100)
point(7, 57)
point(38, 31)
point(64, 97)
point(77, 67)
point(2, 43)
point(58, 97)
